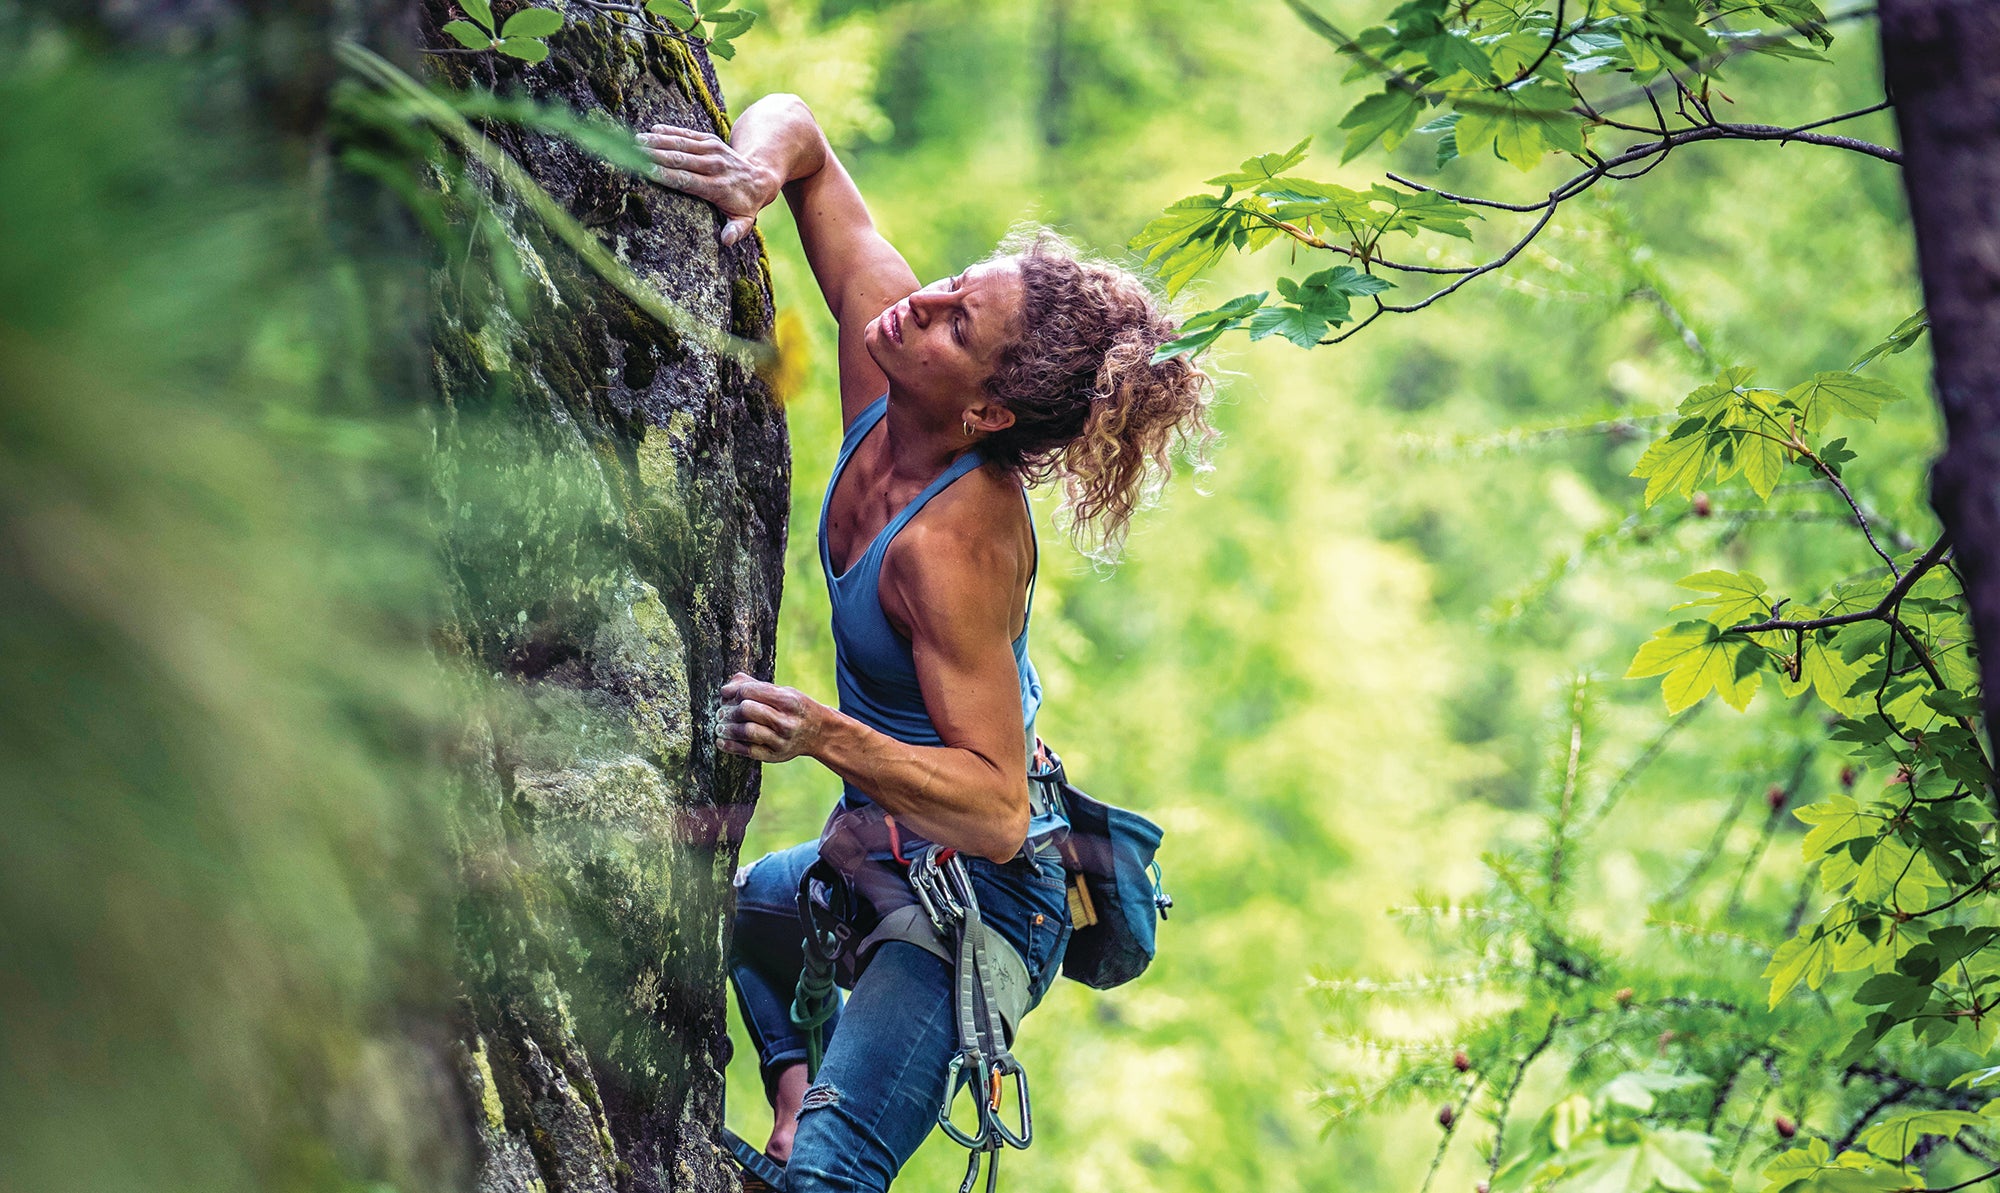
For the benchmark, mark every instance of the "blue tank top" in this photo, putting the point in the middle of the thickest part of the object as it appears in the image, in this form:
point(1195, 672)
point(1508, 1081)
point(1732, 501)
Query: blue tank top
point(873, 669)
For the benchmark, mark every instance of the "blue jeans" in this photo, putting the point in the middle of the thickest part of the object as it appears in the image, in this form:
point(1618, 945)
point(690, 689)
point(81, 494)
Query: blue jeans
point(883, 1076)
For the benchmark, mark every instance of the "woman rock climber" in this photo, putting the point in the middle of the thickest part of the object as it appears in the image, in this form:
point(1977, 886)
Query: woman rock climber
point(1030, 366)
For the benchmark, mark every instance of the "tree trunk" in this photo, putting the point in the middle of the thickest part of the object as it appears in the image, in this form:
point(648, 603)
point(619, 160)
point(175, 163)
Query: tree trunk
point(615, 497)
point(1942, 62)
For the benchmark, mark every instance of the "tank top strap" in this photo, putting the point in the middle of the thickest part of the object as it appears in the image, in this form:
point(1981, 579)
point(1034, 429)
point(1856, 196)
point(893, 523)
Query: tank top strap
point(864, 422)
point(957, 468)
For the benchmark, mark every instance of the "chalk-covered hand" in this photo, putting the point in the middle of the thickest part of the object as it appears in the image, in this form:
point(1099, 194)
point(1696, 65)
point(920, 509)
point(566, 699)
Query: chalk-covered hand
point(708, 167)
point(765, 722)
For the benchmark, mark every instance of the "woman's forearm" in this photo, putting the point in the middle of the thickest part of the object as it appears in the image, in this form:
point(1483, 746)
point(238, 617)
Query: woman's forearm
point(952, 796)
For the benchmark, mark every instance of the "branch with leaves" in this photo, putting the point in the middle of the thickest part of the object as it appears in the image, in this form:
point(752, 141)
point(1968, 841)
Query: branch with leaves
point(1522, 82)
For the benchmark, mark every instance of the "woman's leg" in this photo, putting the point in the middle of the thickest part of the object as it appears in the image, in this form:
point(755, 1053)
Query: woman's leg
point(883, 1079)
point(765, 954)
point(878, 1090)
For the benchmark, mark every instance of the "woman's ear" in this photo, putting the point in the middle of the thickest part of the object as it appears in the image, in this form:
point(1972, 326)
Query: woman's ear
point(988, 417)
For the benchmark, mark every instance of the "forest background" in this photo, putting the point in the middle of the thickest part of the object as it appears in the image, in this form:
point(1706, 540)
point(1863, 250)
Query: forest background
point(1343, 667)
point(1369, 662)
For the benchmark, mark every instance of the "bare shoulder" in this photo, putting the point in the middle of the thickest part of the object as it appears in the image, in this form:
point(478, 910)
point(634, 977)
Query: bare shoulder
point(968, 554)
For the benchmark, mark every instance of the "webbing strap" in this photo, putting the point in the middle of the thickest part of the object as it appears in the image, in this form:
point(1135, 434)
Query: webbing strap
point(983, 1062)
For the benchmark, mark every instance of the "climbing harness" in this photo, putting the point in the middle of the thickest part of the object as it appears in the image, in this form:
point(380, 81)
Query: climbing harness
point(1115, 899)
point(982, 1064)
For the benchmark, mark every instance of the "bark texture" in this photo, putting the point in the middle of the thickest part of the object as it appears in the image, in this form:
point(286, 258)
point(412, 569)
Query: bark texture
point(616, 500)
point(1942, 62)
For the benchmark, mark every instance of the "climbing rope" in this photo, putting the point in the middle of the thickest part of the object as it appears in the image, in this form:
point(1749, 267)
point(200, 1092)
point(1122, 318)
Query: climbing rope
point(815, 999)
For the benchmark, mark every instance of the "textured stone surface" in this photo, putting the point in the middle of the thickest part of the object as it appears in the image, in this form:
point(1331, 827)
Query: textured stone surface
point(615, 498)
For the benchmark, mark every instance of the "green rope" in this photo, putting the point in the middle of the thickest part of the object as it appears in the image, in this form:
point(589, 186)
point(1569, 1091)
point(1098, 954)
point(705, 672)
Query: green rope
point(815, 999)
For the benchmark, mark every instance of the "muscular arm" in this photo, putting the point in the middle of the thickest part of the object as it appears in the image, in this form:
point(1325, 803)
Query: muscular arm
point(955, 591)
point(777, 147)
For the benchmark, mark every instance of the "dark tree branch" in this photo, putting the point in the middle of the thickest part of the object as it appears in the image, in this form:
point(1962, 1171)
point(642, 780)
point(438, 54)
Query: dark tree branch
point(1899, 1091)
point(1978, 885)
point(1607, 167)
point(1924, 563)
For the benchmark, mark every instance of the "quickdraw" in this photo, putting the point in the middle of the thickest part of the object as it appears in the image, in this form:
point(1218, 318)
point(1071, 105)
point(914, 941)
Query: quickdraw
point(982, 1064)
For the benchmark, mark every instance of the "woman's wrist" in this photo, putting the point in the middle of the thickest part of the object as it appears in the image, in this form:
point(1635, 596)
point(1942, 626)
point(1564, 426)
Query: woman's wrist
point(778, 136)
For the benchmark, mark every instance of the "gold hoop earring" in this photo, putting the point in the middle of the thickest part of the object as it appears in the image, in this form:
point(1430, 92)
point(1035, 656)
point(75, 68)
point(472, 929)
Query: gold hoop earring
point(968, 429)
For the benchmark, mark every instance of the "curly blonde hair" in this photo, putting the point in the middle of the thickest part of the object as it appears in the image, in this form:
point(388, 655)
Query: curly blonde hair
point(1089, 404)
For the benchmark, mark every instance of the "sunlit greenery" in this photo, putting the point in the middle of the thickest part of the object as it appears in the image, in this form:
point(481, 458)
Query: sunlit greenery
point(1373, 680)
point(1456, 900)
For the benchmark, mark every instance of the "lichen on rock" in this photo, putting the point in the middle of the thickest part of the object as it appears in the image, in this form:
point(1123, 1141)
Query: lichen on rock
point(614, 499)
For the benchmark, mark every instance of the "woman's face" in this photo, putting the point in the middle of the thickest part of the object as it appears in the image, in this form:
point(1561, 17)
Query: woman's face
point(940, 344)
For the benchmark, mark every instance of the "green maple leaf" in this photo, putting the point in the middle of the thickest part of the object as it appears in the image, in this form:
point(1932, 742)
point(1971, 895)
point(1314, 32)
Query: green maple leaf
point(1807, 957)
point(1199, 331)
point(1835, 820)
point(1881, 872)
point(1841, 392)
point(1695, 659)
point(1762, 460)
point(1718, 395)
point(1188, 237)
point(1411, 213)
point(1738, 596)
point(1387, 116)
point(1265, 167)
point(1894, 1138)
point(1521, 124)
point(1812, 1169)
point(1677, 460)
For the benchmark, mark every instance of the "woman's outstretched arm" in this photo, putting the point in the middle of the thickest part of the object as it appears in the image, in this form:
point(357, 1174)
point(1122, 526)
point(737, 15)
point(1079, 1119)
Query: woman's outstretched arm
point(776, 147)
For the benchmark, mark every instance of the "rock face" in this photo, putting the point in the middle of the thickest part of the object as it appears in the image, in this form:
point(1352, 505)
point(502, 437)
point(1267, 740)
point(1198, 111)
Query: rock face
point(615, 499)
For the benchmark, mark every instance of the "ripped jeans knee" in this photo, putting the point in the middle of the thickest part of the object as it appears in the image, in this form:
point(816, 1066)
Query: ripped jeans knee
point(819, 1096)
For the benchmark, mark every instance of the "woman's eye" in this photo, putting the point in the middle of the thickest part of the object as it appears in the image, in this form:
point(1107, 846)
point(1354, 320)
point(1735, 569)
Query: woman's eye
point(958, 331)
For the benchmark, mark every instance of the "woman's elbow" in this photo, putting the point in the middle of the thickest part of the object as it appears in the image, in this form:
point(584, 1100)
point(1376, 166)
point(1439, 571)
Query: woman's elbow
point(793, 106)
point(1008, 837)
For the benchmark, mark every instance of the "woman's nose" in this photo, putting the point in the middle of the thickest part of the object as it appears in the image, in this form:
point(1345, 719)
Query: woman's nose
point(926, 304)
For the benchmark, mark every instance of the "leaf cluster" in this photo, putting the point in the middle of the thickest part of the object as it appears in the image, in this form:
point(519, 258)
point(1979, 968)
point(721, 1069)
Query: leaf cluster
point(525, 35)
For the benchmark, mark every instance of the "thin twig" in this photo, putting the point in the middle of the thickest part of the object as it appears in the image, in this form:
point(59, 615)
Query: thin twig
point(1980, 1179)
point(1507, 1098)
point(1556, 34)
point(1861, 519)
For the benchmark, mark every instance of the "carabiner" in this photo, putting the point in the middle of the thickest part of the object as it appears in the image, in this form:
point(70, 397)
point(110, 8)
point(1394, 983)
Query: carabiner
point(992, 1154)
point(998, 1070)
point(957, 1077)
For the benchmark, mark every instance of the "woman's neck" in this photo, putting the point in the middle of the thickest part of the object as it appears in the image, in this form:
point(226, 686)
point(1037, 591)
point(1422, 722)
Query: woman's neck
point(918, 449)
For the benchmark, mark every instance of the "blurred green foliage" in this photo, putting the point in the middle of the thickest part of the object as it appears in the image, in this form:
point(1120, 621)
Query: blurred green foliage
point(1369, 682)
point(220, 867)
point(1378, 667)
